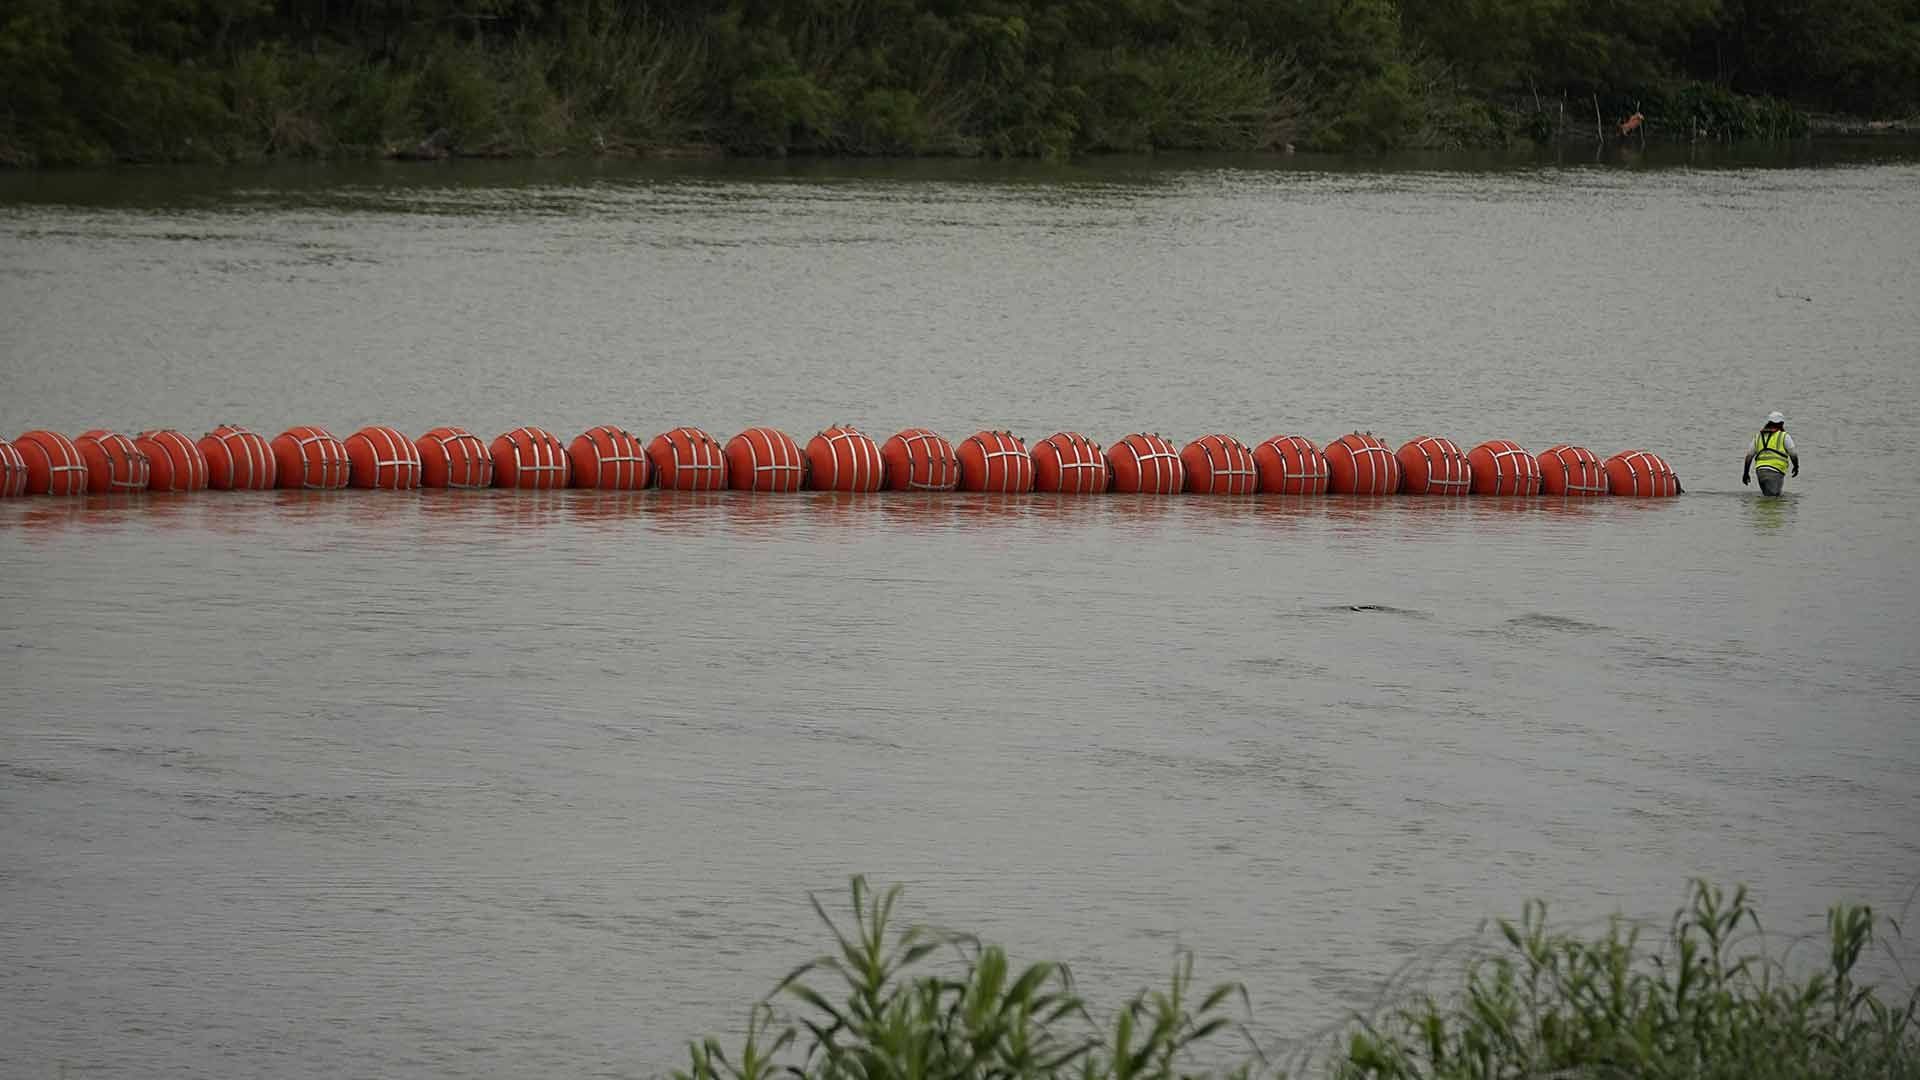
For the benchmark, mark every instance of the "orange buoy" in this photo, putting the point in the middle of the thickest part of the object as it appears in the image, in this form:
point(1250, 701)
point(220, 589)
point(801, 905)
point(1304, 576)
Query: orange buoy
point(1640, 474)
point(765, 459)
point(54, 465)
point(1430, 465)
point(688, 459)
point(453, 457)
point(310, 457)
point(1359, 464)
point(844, 459)
point(1501, 467)
point(174, 463)
point(13, 471)
point(1146, 464)
point(529, 459)
point(994, 461)
point(609, 458)
point(381, 457)
point(1219, 465)
point(114, 464)
point(238, 460)
point(1572, 470)
point(1070, 463)
point(1290, 465)
point(919, 460)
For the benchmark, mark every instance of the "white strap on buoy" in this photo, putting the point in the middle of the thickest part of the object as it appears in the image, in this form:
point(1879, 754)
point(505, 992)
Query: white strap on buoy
point(1168, 473)
point(136, 466)
point(623, 452)
point(1374, 453)
point(70, 462)
point(543, 457)
point(333, 456)
point(1238, 462)
point(783, 459)
point(1080, 458)
point(1585, 474)
point(943, 469)
point(1005, 449)
point(473, 454)
point(1526, 467)
point(401, 456)
point(863, 458)
point(1308, 455)
point(12, 466)
point(180, 451)
point(1454, 461)
point(258, 457)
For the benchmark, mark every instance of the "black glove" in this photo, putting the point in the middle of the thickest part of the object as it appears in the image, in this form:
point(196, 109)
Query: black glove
point(1796, 468)
point(1745, 479)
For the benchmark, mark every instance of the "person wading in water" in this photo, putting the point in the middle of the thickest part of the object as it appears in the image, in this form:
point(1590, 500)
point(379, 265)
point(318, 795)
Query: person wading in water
point(1772, 452)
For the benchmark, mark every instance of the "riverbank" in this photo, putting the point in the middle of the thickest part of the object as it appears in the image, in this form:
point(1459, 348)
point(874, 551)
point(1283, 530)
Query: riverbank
point(103, 81)
point(1517, 133)
point(1854, 127)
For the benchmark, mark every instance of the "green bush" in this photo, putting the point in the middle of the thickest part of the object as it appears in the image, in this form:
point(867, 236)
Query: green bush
point(532, 118)
point(1184, 97)
point(785, 111)
point(457, 92)
point(1710, 1003)
point(1692, 110)
point(888, 122)
point(96, 80)
point(1383, 111)
point(627, 81)
point(873, 1013)
point(371, 107)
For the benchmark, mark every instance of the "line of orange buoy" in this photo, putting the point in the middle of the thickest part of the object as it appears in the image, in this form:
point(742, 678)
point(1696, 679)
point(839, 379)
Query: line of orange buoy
point(839, 458)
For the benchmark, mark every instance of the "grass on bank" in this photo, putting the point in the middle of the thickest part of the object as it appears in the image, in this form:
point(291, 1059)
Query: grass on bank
point(97, 81)
point(1707, 1001)
point(625, 83)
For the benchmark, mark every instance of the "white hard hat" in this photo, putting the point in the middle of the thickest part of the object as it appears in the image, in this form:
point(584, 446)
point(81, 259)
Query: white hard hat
point(1776, 418)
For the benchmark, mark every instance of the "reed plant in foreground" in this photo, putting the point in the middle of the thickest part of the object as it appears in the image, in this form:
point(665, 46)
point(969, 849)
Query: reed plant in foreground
point(867, 1012)
point(1709, 1001)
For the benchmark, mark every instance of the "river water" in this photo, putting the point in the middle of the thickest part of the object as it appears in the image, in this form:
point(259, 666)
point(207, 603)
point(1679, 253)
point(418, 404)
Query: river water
point(447, 785)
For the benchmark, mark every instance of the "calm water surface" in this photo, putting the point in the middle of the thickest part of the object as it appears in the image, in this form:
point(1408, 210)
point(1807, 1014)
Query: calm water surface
point(488, 785)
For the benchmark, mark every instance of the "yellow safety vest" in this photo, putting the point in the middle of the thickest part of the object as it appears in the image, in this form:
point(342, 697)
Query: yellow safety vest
point(1770, 451)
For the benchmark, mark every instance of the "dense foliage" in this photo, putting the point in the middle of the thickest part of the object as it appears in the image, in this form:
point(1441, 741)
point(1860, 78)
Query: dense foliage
point(97, 80)
point(1710, 1002)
